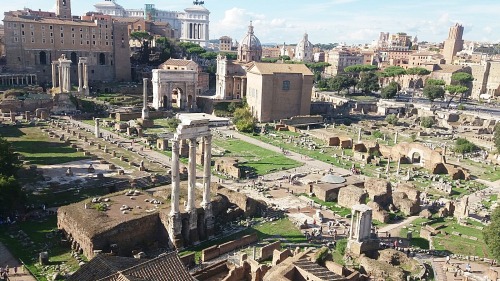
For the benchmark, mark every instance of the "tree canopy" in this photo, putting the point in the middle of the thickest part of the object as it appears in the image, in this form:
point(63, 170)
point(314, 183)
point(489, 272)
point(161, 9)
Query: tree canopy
point(490, 233)
point(435, 82)
point(9, 164)
point(368, 82)
point(390, 91)
point(358, 68)
point(341, 82)
point(433, 92)
point(394, 71)
point(244, 120)
point(496, 136)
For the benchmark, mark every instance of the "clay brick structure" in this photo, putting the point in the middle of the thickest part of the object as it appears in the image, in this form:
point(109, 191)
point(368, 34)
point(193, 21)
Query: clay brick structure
point(229, 166)
point(329, 191)
point(379, 190)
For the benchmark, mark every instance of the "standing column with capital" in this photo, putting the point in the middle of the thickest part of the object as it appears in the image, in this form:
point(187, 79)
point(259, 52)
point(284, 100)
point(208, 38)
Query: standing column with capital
point(174, 218)
point(191, 208)
point(206, 203)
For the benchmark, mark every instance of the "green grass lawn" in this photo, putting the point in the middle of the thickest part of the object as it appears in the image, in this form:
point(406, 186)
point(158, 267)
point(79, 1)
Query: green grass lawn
point(282, 228)
point(449, 242)
point(37, 147)
point(341, 211)
point(257, 159)
point(43, 238)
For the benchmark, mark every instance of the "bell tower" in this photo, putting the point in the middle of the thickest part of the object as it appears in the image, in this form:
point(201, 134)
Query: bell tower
point(63, 9)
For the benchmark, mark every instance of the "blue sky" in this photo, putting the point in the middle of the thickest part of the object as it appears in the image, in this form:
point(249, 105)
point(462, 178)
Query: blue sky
point(351, 21)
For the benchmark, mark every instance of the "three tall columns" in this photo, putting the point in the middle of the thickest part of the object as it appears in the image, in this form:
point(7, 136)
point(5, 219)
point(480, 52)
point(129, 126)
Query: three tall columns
point(175, 230)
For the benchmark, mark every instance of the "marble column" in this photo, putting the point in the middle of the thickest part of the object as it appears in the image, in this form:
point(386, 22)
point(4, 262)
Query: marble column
point(54, 75)
point(97, 132)
point(80, 78)
point(145, 110)
point(359, 135)
point(396, 138)
point(399, 165)
point(191, 175)
point(191, 208)
point(207, 143)
point(174, 218)
point(85, 78)
point(60, 79)
point(175, 178)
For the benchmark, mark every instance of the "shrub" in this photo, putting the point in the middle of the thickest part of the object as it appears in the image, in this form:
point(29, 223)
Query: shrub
point(341, 246)
point(427, 122)
point(378, 134)
point(464, 146)
point(461, 107)
point(321, 255)
point(392, 119)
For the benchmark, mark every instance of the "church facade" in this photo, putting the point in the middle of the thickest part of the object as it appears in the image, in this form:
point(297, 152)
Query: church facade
point(273, 91)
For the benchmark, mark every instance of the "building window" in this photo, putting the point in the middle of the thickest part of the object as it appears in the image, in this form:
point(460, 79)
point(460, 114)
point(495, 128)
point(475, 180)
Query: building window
point(43, 58)
point(32, 40)
point(16, 39)
point(51, 40)
point(22, 25)
point(102, 59)
point(286, 85)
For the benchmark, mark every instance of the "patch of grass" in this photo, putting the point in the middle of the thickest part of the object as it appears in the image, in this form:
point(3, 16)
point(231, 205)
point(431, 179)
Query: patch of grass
point(330, 205)
point(38, 148)
point(282, 228)
point(42, 234)
point(259, 160)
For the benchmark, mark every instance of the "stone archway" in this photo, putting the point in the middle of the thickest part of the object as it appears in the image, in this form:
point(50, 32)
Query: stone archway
point(189, 101)
point(416, 158)
point(177, 94)
point(166, 102)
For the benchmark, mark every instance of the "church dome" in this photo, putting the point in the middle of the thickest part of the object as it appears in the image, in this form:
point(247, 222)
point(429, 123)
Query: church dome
point(304, 50)
point(250, 41)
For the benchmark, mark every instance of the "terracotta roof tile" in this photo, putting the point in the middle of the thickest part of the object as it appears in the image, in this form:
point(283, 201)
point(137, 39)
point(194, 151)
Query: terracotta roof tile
point(270, 68)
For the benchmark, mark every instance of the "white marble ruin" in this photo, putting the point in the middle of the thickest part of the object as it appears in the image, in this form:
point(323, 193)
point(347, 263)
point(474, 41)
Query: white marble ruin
point(145, 109)
point(83, 76)
point(191, 128)
point(361, 223)
point(61, 74)
point(97, 131)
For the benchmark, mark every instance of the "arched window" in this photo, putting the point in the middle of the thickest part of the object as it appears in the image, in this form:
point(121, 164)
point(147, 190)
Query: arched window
point(43, 58)
point(74, 59)
point(102, 59)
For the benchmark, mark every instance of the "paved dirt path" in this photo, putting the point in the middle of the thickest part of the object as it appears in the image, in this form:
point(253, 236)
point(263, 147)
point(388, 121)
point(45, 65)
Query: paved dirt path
point(6, 258)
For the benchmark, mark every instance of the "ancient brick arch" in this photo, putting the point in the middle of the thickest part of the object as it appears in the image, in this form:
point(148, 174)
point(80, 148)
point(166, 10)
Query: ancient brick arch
point(414, 153)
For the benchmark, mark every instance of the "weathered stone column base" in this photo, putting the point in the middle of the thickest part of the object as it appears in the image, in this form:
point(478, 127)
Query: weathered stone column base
point(175, 231)
point(194, 236)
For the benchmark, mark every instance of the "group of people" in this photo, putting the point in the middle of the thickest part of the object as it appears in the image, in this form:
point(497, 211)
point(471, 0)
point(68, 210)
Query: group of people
point(4, 272)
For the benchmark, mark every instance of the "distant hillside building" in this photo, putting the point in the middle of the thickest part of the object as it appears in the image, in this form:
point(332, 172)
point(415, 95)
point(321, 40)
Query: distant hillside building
point(33, 39)
point(339, 59)
point(454, 43)
point(192, 25)
point(225, 44)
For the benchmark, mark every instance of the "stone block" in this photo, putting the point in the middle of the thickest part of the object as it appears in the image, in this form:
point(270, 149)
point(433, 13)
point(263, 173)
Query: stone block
point(351, 195)
point(379, 190)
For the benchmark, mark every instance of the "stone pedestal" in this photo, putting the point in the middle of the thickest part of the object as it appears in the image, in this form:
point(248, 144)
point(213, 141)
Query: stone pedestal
point(146, 123)
point(175, 230)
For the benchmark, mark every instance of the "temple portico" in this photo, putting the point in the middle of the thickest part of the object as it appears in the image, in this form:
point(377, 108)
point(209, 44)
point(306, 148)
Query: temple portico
point(190, 128)
point(61, 74)
point(360, 232)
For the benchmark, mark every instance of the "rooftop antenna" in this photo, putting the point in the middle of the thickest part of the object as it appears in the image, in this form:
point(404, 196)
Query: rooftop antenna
point(197, 2)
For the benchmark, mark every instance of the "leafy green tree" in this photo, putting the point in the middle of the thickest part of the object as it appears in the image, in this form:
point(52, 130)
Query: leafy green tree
point(12, 198)
point(368, 82)
point(209, 55)
point(416, 73)
point(230, 56)
point(490, 233)
point(394, 71)
point(9, 163)
point(355, 70)
point(244, 120)
point(390, 90)
point(270, 60)
point(392, 119)
point(433, 92)
point(284, 58)
point(455, 90)
point(435, 82)
point(496, 136)
point(463, 145)
point(341, 82)
point(427, 122)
